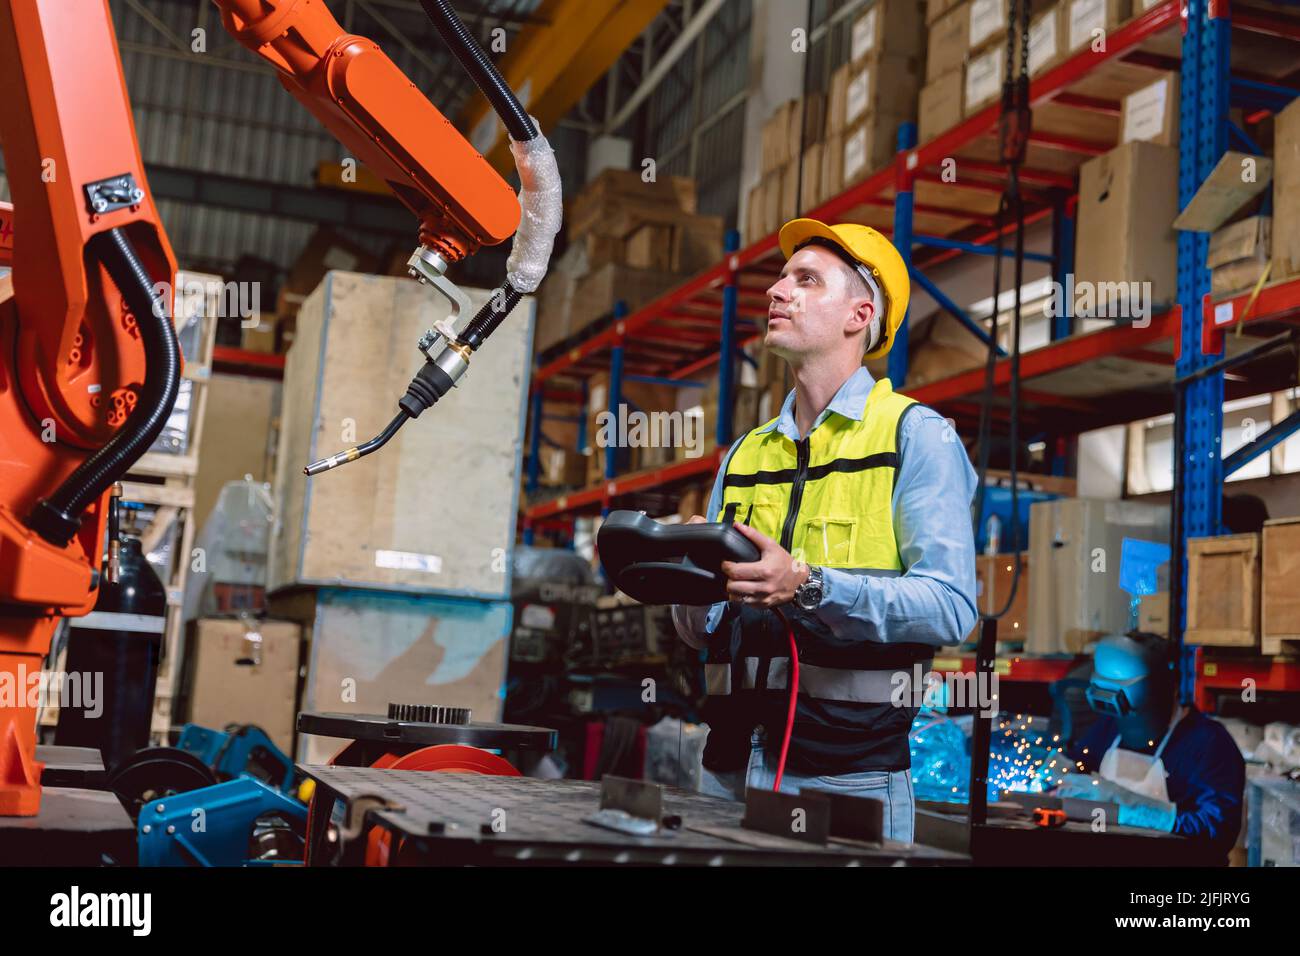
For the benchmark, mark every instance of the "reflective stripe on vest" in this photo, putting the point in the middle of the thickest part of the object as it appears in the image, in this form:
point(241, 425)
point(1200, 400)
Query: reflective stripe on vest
point(828, 500)
point(824, 683)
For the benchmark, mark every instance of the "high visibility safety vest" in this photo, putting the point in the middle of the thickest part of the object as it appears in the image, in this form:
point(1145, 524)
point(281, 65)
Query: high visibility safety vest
point(828, 500)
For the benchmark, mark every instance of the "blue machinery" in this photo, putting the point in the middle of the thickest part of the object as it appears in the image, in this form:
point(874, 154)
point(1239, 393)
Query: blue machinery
point(254, 812)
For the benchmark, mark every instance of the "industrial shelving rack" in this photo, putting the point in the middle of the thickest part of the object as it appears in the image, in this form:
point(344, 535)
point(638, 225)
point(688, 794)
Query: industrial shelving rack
point(1077, 382)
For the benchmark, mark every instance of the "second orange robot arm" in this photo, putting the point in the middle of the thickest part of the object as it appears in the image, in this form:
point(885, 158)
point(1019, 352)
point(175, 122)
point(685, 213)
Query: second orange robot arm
point(378, 114)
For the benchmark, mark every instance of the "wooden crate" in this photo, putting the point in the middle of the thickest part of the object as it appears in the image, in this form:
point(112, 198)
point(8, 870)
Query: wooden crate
point(434, 510)
point(993, 576)
point(1223, 590)
point(1279, 596)
point(367, 649)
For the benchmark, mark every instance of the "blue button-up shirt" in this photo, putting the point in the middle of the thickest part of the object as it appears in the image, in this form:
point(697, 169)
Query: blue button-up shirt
point(933, 600)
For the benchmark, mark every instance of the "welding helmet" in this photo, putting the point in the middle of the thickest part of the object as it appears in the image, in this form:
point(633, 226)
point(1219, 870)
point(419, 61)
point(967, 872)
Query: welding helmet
point(1132, 681)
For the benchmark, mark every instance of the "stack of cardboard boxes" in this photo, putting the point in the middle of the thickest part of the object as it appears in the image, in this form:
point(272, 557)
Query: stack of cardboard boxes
point(816, 147)
point(1128, 199)
point(966, 56)
point(785, 185)
point(631, 237)
point(884, 79)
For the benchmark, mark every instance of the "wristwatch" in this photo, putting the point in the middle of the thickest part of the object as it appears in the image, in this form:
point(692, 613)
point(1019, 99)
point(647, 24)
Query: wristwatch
point(808, 595)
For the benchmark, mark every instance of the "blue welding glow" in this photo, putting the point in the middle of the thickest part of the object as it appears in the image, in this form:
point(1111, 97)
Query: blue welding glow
point(1023, 756)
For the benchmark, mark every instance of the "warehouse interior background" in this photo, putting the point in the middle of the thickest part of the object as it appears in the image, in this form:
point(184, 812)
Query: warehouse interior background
point(457, 567)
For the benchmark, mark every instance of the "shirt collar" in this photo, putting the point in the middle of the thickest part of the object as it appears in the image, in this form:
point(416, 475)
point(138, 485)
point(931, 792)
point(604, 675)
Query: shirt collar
point(850, 401)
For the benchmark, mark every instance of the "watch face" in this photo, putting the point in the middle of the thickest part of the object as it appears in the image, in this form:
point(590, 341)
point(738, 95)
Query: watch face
point(809, 594)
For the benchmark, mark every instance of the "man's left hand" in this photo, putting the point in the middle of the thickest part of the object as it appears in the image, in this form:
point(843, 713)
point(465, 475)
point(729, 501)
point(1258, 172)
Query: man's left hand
point(768, 582)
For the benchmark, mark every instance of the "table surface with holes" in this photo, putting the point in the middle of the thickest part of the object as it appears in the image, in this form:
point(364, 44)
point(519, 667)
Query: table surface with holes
point(471, 818)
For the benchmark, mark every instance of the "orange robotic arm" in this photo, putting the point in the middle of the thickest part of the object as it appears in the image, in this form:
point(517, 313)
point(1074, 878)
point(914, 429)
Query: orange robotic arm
point(88, 358)
point(379, 115)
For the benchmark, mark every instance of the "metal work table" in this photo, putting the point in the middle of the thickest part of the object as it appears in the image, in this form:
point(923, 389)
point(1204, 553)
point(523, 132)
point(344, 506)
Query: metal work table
point(74, 828)
point(1014, 840)
point(447, 819)
point(71, 766)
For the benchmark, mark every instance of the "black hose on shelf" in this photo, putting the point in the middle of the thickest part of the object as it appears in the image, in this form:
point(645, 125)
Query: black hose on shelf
point(57, 518)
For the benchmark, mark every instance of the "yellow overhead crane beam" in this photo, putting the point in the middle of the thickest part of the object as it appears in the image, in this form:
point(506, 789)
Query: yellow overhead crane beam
point(555, 60)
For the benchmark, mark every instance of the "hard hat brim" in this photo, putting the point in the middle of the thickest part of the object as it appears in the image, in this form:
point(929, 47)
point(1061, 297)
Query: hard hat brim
point(798, 231)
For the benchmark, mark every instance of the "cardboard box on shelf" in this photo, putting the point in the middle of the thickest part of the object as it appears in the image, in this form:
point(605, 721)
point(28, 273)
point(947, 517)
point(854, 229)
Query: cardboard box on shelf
point(649, 246)
point(1091, 20)
point(885, 83)
point(934, 9)
point(1153, 613)
point(260, 337)
point(1238, 254)
point(595, 293)
point(1127, 202)
point(832, 175)
point(790, 200)
point(892, 25)
point(949, 41)
point(940, 106)
point(776, 147)
point(773, 183)
point(754, 213)
point(630, 194)
point(1047, 44)
point(239, 672)
point(810, 188)
point(836, 98)
point(814, 118)
point(563, 467)
point(869, 145)
point(685, 246)
point(986, 19)
point(1151, 113)
point(984, 75)
point(1286, 193)
point(694, 499)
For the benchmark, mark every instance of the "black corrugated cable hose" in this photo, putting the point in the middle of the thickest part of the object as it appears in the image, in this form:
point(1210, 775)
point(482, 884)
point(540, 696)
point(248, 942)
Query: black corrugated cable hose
point(480, 68)
point(57, 518)
point(431, 382)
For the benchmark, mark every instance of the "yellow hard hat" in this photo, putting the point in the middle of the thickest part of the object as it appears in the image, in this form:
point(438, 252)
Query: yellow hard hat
point(874, 251)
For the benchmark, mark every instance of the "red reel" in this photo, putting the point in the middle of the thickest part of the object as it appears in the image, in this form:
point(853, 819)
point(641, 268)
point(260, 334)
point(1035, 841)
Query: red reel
point(442, 758)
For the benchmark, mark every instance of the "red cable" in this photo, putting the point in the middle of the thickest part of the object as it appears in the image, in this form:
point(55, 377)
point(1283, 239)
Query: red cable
point(794, 697)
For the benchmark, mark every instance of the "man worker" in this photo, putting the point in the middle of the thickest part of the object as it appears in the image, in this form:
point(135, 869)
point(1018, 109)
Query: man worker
point(858, 500)
point(1168, 765)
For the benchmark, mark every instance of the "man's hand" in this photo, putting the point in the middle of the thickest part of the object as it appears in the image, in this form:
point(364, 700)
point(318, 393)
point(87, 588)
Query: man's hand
point(768, 582)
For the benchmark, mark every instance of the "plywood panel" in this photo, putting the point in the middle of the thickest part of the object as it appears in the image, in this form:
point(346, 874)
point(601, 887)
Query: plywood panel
point(371, 648)
point(433, 511)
